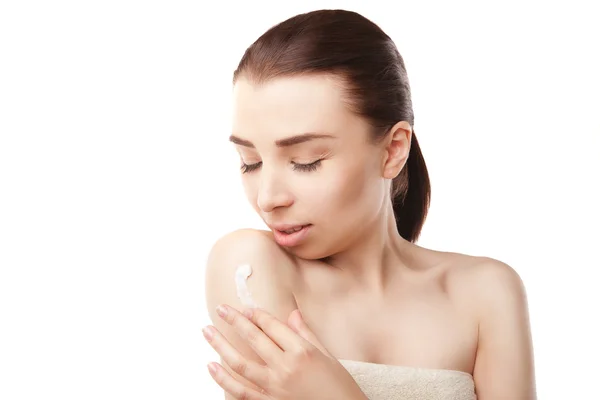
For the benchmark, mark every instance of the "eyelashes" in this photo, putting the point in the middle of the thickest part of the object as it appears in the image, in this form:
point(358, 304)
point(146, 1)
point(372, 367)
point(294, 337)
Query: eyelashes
point(249, 167)
point(246, 168)
point(307, 167)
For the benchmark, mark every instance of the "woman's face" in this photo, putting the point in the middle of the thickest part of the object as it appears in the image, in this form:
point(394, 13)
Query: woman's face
point(331, 182)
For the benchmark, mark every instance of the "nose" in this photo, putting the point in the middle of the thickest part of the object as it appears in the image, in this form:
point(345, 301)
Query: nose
point(272, 191)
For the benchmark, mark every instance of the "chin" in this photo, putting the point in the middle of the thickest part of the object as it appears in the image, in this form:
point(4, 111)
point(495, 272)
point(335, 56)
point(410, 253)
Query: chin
point(309, 252)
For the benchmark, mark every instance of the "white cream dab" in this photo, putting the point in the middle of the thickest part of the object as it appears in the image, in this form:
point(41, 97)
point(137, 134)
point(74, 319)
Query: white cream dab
point(241, 275)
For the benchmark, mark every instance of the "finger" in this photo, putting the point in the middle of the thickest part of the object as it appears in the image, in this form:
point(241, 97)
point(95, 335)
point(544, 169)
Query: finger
point(279, 332)
point(245, 368)
point(299, 325)
point(232, 386)
point(258, 340)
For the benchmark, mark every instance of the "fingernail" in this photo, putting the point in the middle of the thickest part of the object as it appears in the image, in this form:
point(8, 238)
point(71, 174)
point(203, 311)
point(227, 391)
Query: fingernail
point(222, 311)
point(212, 369)
point(248, 313)
point(208, 333)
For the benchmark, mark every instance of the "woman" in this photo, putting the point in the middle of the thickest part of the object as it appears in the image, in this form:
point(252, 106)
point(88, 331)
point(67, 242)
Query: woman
point(349, 306)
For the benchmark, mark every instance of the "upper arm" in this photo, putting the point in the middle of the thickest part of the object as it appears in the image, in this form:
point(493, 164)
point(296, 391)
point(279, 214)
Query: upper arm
point(504, 365)
point(270, 283)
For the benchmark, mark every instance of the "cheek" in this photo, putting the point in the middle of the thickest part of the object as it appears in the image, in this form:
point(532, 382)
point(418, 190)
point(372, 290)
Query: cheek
point(349, 190)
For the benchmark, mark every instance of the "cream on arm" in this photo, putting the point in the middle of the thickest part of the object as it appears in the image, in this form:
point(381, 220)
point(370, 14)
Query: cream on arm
point(247, 269)
point(243, 293)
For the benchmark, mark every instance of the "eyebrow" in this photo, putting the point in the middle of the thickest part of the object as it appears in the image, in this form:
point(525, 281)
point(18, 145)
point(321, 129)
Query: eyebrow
point(287, 142)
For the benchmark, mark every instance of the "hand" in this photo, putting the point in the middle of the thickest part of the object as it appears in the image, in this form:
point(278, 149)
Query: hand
point(297, 366)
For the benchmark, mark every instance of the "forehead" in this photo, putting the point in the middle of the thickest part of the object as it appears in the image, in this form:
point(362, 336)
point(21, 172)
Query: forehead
point(288, 106)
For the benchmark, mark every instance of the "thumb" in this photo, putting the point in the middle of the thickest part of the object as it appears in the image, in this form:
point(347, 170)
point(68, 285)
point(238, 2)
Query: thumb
point(297, 323)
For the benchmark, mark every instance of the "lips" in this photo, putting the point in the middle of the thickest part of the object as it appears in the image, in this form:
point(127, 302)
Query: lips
point(295, 229)
point(290, 235)
point(287, 228)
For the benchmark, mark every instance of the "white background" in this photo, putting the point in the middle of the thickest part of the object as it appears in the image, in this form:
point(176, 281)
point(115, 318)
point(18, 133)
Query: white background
point(116, 177)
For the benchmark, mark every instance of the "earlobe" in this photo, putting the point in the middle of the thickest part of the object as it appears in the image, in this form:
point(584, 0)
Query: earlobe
point(397, 149)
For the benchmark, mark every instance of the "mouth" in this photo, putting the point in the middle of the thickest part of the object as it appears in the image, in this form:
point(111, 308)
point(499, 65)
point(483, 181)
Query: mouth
point(289, 236)
point(293, 230)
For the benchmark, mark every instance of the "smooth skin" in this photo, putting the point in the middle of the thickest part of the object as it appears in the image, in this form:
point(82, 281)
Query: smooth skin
point(365, 292)
point(293, 360)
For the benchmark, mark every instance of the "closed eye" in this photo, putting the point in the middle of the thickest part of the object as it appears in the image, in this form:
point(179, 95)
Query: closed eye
point(307, 167)
point(297, 167)
point(250, 167)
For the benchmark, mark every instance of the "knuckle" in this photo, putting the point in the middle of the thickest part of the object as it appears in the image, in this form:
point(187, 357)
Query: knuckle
point(219, 378)
point(303, 354)
point(244, 395)
point(252, 336)
point(233, 318)
point(239, 367)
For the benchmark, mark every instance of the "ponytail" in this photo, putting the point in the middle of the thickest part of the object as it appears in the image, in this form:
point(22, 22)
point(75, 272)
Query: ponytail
point(411, 194)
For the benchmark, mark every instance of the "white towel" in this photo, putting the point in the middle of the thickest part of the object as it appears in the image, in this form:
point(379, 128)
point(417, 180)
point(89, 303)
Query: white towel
point(392, 382)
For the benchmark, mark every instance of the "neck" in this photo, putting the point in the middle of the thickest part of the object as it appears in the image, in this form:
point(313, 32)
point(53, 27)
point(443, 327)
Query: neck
point(376, 253)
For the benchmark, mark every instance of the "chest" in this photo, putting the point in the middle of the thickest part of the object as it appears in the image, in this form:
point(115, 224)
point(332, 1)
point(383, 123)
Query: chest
point(426, 329)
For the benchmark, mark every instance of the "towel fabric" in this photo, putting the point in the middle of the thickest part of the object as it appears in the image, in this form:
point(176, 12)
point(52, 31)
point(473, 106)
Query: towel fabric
point(392, 382)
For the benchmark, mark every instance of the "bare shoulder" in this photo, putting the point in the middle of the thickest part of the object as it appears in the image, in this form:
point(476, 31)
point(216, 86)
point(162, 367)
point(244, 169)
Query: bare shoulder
point(273, 271)
point(504, 364)
point(500, 281)
point(487, 284)
point(482, 282)
point(270, 284)
point(488, 281)
point(483, 272)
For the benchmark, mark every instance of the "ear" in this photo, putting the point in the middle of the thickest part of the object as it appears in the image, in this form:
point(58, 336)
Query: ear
point(397, 149)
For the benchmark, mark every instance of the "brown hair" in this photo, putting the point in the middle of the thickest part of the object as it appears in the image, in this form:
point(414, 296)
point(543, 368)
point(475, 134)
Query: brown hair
point(348, 45)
